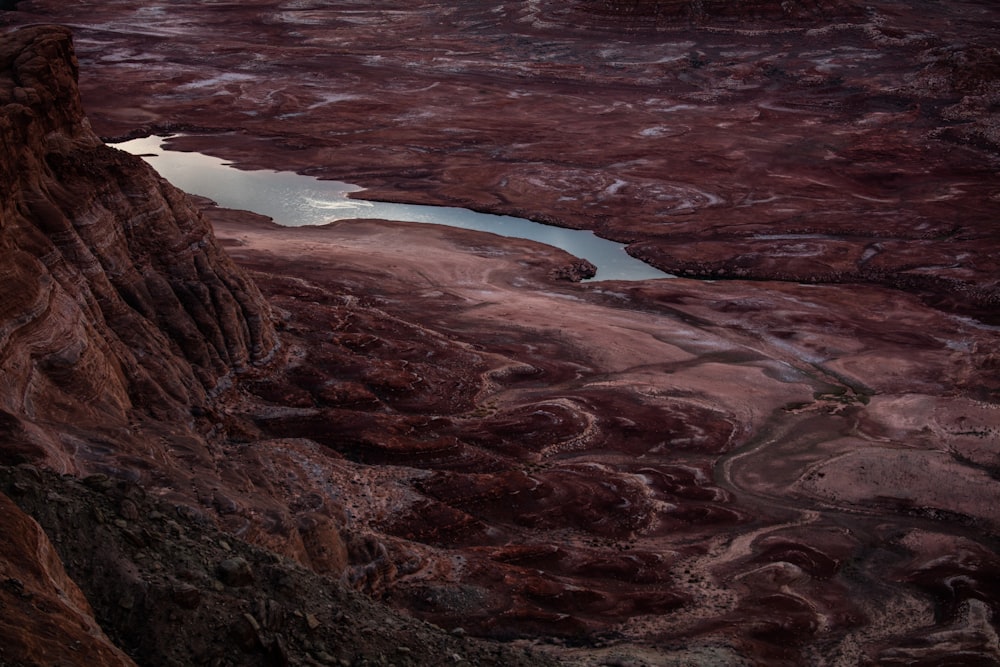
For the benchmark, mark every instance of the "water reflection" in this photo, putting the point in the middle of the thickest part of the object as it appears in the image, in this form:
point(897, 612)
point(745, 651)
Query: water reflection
point(293, 200)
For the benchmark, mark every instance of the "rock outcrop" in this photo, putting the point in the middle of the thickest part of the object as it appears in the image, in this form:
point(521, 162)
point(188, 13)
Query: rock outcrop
point(123, 327)
point(116, 300)
point(120, 319)
point(39, 602)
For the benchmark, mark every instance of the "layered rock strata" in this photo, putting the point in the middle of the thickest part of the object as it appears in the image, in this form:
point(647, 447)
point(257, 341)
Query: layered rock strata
point(116, 298)
point(124, 330)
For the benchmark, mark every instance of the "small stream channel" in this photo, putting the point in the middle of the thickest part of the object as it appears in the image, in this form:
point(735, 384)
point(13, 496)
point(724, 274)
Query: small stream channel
point(294, 200)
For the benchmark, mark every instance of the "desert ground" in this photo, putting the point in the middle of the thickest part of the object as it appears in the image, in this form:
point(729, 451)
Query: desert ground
point(786, 455)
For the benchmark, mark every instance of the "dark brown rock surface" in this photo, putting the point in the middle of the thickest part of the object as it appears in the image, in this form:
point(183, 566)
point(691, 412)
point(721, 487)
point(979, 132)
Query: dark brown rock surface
point(42, 612)
point(155, 582)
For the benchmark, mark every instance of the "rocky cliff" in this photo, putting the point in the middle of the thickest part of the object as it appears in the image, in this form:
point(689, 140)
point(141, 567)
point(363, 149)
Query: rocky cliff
point(119, 315)
point(115, 295)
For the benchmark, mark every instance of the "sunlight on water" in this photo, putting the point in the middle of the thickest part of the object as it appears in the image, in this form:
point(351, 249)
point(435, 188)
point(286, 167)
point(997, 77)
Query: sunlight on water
point(293, 200)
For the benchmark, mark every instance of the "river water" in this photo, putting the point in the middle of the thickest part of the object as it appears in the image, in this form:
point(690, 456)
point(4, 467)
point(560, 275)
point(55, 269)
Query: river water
point(293, 200)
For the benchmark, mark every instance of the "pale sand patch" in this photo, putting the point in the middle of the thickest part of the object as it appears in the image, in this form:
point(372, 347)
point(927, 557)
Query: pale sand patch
point(498, 282)
point(917, 478)
point(966, 428)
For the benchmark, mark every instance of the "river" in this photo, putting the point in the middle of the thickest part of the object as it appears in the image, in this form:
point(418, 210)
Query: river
point(293, 200)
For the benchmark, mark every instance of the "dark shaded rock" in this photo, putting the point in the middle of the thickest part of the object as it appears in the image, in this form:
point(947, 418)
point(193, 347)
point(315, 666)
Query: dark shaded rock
point(649, 14)
point(235, 572)
point(186, 595)
point(576, 271)
point(38, 601)
point(161, 608)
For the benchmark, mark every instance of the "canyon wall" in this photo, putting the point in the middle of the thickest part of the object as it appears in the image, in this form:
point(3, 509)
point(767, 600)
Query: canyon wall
point(116, 298)
point(117, 308)
point(125, 333)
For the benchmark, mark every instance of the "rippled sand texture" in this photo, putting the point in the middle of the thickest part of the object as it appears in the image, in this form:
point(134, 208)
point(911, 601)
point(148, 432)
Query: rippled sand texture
point(795, 465)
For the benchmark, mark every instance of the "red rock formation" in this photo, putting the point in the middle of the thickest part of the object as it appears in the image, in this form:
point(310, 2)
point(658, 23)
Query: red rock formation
point(116, 298)
point(122, 328)
point(42, 612)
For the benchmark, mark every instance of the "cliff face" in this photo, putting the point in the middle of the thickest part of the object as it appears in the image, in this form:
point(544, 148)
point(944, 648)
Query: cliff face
point(115, 306)
point(122, 325)
point(115, 295)
point(117, 309)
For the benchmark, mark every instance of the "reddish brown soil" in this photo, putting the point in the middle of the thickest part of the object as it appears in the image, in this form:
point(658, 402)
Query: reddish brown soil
point(674, 460)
